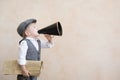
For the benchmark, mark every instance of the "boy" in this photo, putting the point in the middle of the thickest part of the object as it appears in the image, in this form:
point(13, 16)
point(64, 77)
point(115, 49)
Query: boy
point(30, 46)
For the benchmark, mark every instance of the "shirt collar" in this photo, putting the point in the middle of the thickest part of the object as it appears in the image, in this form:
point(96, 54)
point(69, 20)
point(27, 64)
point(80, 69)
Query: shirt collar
point(30, 38)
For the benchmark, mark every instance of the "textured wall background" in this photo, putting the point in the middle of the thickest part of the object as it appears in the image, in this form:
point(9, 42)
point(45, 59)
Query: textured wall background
point(89, 48)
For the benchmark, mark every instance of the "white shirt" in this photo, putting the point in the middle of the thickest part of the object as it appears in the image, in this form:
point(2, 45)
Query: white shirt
point(23, 47)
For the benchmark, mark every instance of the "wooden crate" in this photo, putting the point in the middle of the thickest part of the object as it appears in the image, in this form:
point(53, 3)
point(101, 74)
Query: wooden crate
point(12, 67)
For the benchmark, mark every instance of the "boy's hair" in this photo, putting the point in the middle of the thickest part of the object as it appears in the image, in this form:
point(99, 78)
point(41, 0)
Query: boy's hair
point(22, 26)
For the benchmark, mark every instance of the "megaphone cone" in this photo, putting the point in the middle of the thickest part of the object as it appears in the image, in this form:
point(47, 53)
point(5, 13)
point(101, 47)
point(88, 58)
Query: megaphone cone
point(54, 29)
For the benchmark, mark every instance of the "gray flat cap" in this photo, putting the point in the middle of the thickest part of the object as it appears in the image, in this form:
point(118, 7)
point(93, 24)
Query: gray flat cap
point(21, 28)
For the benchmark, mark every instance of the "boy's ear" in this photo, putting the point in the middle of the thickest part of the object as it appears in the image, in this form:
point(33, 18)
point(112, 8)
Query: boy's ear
point(27, 33)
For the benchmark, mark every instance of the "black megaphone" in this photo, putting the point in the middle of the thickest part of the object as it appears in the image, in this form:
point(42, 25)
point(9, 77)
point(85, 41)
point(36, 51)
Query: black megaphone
point(54, 29)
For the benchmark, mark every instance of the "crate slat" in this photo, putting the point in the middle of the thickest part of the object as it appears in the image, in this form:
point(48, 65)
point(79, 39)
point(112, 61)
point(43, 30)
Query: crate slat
point(12, 67)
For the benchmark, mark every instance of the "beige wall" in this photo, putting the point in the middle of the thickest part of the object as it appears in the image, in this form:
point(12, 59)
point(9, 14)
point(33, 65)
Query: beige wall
point(89, 48)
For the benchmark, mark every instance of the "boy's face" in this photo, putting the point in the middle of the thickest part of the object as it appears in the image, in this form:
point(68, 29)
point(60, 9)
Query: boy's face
point(32, 31)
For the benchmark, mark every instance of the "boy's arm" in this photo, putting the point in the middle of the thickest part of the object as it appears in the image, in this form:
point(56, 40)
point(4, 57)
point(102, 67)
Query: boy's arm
point(22, 57)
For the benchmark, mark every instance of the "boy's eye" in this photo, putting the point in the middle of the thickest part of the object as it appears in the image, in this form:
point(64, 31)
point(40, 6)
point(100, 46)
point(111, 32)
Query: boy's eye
point(35, 27)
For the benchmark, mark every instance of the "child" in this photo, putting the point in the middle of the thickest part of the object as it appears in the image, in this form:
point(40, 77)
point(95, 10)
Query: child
point(30, 46)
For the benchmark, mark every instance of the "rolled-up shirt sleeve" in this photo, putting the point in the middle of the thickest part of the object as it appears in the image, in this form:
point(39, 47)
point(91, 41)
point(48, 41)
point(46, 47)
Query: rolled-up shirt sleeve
point(22, 53)
point(46, 44)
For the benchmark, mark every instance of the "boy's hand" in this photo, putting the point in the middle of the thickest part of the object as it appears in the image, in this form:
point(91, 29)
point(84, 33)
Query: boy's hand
point(48, 37)
point(25, 72)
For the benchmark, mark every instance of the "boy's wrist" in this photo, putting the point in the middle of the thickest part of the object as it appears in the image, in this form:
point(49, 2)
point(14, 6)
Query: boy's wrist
point(50, 41)
point(23, 68)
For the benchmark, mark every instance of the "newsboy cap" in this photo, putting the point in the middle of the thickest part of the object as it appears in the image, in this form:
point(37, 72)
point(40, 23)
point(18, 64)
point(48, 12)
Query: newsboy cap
point(22, 26)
